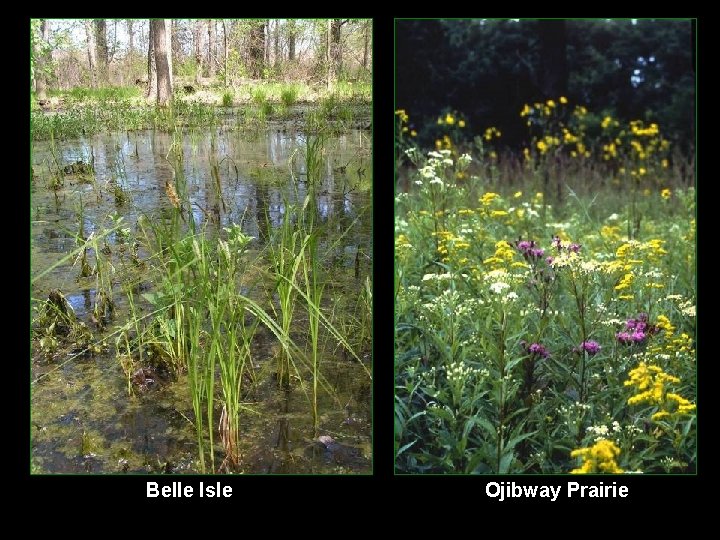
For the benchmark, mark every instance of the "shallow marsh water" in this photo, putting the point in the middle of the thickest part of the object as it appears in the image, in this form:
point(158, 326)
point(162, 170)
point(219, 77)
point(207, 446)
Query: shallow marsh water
point(83, 418)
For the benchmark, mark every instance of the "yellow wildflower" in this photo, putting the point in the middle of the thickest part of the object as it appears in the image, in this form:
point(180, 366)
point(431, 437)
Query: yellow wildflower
point(599, 458)
point(488, 198)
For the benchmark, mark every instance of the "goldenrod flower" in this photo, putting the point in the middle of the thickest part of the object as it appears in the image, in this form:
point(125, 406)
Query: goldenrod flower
point(599, 458)
point(488, 198)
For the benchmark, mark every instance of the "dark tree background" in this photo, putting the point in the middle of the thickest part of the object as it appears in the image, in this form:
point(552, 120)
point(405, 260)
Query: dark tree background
point(487, 70)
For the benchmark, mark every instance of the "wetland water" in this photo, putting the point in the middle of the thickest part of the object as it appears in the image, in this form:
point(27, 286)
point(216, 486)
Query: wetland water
point(88, 414)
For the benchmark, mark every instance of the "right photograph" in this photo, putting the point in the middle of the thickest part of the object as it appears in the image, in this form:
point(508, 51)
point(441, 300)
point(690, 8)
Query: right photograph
point(545, 246)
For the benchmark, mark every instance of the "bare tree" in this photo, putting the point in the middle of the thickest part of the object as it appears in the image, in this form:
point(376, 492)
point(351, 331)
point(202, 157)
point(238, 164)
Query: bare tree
point(276, 43)
point(168, 45)
point(199, 44)
point(225, 51)
point(152, 66)
point(131, 36)
point(160, 30)
point(256, 48)
point(212, 47)
point(175, 39)
point(266, 36)
point(102, 50)
point(366, 43)
point(334, 50)
point(92, 49)
point(41, 59)
point(291, 39)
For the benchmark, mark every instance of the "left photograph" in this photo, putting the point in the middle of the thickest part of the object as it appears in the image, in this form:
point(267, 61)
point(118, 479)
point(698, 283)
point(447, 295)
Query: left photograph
point(201, 246)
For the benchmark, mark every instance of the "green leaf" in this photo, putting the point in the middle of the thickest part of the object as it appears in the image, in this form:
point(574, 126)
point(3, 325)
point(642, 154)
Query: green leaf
point(440, 413)
point(505, 462)
point(405, 448)
point(512, 442)
point(487, 427)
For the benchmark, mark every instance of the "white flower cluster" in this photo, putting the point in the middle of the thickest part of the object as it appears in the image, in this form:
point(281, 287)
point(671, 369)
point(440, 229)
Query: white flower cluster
point(464, 160)
point(687, 308)
point(458, 372)
point(498, 287)
point(600, 432)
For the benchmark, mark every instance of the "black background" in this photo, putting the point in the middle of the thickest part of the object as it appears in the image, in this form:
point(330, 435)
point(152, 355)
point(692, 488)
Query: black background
point(322, 499)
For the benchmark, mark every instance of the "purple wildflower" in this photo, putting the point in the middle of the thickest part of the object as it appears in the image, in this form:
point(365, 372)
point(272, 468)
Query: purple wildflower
point(636, 330)
point(592, 347)
point(524, 245)
point(538, 350)
point(550, 260)
point(575, 248)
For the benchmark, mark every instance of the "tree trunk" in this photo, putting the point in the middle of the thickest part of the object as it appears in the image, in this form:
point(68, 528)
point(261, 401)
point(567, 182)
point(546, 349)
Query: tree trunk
point(225, 52)
point(152, 66)
point(553, 57)
point(291, 39)
point(92, 49)
point(329, 56)
point(160, 29)
point(102, 51)
point(256, 48)
point(212, 47)
point(131, 36)
point(168, 45)
point(266, 35)
point(366, 44)
point(199, 44)
point(276, 44)
point(41, 60)
point(175, 40)
point(336, 47)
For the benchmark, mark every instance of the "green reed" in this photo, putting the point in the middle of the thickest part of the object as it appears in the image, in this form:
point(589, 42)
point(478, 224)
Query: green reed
point(286, 251)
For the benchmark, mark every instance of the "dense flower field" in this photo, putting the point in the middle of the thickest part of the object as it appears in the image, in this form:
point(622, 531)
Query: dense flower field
point(544, 330)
